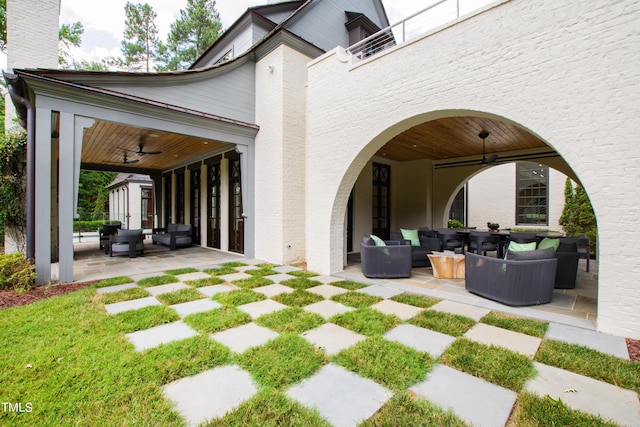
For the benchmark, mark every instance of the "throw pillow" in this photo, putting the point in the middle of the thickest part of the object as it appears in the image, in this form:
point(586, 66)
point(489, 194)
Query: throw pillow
point(549, 243)
point(411, 235)
point(378, 241)
point(548, 253)
point(517, 247)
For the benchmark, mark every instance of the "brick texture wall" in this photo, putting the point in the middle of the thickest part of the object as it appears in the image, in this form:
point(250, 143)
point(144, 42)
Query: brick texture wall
point(566, 71)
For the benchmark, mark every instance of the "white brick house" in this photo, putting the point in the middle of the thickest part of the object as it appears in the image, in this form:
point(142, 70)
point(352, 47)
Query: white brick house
point(270, 134)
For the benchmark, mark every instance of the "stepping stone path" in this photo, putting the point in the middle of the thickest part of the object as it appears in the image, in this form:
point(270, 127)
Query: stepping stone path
point(345, 398)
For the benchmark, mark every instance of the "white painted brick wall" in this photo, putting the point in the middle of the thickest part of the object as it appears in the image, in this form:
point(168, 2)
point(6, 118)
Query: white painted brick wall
point(280, 144)
point(568, 72)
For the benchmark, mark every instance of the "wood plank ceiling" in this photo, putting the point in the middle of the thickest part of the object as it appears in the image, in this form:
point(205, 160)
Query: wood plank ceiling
point(454, 137)
point(107, 143)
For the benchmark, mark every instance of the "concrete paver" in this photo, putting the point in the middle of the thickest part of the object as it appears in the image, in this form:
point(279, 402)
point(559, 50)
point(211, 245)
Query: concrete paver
point(586, 394)
point(340, 396)
point(210, 394)
point(134, 304)
point(257, 309)
point(514, 341)
point(452, 307)
point(605, 343)
point(274, 290)
point(325, 280)
point(243, 337)
point(380, 291)
point(420, 339)
point(327, 308)
point(403, 311)
point(163, 334)
point(280, 277)
point(165, 289)
point(476, 401)
point(327, 291)
point(332, 338)
point(198, 306)
point(216, 289)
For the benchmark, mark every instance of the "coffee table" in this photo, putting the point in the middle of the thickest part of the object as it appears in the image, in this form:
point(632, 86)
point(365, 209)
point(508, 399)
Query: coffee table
point(447, 265)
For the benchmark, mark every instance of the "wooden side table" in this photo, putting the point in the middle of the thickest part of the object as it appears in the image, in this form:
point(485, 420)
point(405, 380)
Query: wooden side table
point(447, 265)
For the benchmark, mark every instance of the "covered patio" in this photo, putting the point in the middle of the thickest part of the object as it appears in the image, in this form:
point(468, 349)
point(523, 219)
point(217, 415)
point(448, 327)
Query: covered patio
point(577, 307)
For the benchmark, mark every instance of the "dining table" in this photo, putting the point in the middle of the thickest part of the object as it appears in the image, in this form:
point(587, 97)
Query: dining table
point(504, 236)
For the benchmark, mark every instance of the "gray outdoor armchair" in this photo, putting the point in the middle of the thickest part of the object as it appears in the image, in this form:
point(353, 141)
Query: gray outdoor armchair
point(173, 236)
point(386, 262)
point(511, 282)
point(129, 242)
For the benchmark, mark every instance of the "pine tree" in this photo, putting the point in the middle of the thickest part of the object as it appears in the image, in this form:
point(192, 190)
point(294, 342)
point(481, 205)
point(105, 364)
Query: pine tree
point(140, 44)
point(197, 28)
point(578, 216)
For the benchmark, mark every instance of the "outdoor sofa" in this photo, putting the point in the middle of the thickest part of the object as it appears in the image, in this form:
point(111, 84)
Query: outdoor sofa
point(428, 243)
point(129, 242)
point(173, 236)
point(514, 282)
point(385, 262)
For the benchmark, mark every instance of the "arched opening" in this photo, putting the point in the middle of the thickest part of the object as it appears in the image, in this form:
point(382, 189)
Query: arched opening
point(427, 165)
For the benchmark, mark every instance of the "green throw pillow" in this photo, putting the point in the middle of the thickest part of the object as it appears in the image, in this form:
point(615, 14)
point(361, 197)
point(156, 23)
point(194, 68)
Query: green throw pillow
point(518, 247)
point(411, 235)
point(378, 241)
point(549, 243)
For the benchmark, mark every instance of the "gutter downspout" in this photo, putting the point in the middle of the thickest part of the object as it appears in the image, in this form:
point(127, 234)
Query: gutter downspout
point(13, 82)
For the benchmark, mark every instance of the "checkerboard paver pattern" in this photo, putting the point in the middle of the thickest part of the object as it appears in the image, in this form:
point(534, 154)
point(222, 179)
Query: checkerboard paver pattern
point(345, 398)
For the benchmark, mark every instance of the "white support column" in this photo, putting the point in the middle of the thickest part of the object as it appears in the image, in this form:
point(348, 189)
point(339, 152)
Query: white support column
point(247, 171)
point(43, 196)
point(68, 181)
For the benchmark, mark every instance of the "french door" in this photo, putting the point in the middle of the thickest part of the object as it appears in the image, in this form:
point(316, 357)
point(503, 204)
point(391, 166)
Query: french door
point(236, 221)
point(381, 198)
point(195, 205)
point(213, 205)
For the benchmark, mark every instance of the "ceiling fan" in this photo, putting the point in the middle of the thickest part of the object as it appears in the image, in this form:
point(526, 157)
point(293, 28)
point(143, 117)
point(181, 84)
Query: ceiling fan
point(126, 161)
point(492, 158)
point(141, 152)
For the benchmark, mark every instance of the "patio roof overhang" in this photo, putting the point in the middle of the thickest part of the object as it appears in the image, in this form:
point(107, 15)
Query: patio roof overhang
point(124, 121)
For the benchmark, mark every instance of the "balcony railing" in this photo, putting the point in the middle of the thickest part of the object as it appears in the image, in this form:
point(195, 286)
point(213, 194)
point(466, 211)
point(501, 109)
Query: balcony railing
point(435, 15)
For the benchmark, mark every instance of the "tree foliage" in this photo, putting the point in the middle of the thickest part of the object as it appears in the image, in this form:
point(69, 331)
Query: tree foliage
point(13, 160)
point(140, 44)
point(578, 216)
point(93, 197)
point(69, 35)
point(3, 25)
point(197, 28)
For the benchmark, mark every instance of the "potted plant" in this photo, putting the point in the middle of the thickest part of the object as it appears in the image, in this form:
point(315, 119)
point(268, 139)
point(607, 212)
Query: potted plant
point(493, 226)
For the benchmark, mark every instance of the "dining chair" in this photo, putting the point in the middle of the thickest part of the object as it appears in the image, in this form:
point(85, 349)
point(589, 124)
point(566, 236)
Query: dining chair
point(451, 240)
point(483, 242)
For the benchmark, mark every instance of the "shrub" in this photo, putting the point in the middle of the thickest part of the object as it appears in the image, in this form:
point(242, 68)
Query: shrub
point(16, 272)
point(454, 223)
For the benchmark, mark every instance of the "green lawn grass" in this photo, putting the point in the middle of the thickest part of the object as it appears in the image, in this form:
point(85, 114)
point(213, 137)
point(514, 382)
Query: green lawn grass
point(301, 283)
point(297, 298)
point(283, 361)
point(450, 324)
point(366, 321)
point(157, 280)
point(123, 295)
point(119, 280)
point(290, 320)
point(220, 271)
point(179, 296)
point(388, 363)
point(71, 360)
point(591, 363)
point(494, 364)
point(200, 283)
point(349, 285)
point(356, 299)
point(179, 271)
point(252, 282)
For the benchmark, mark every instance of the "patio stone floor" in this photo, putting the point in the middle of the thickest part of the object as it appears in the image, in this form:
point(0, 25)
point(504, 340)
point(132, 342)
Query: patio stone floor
point(345, 398)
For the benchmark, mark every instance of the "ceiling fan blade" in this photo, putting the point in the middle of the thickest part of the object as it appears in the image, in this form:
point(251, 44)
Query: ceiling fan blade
point(141, 152)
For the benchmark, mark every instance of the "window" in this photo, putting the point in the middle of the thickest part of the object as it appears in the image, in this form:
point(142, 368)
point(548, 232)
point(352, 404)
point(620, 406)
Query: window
point(532, 197)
